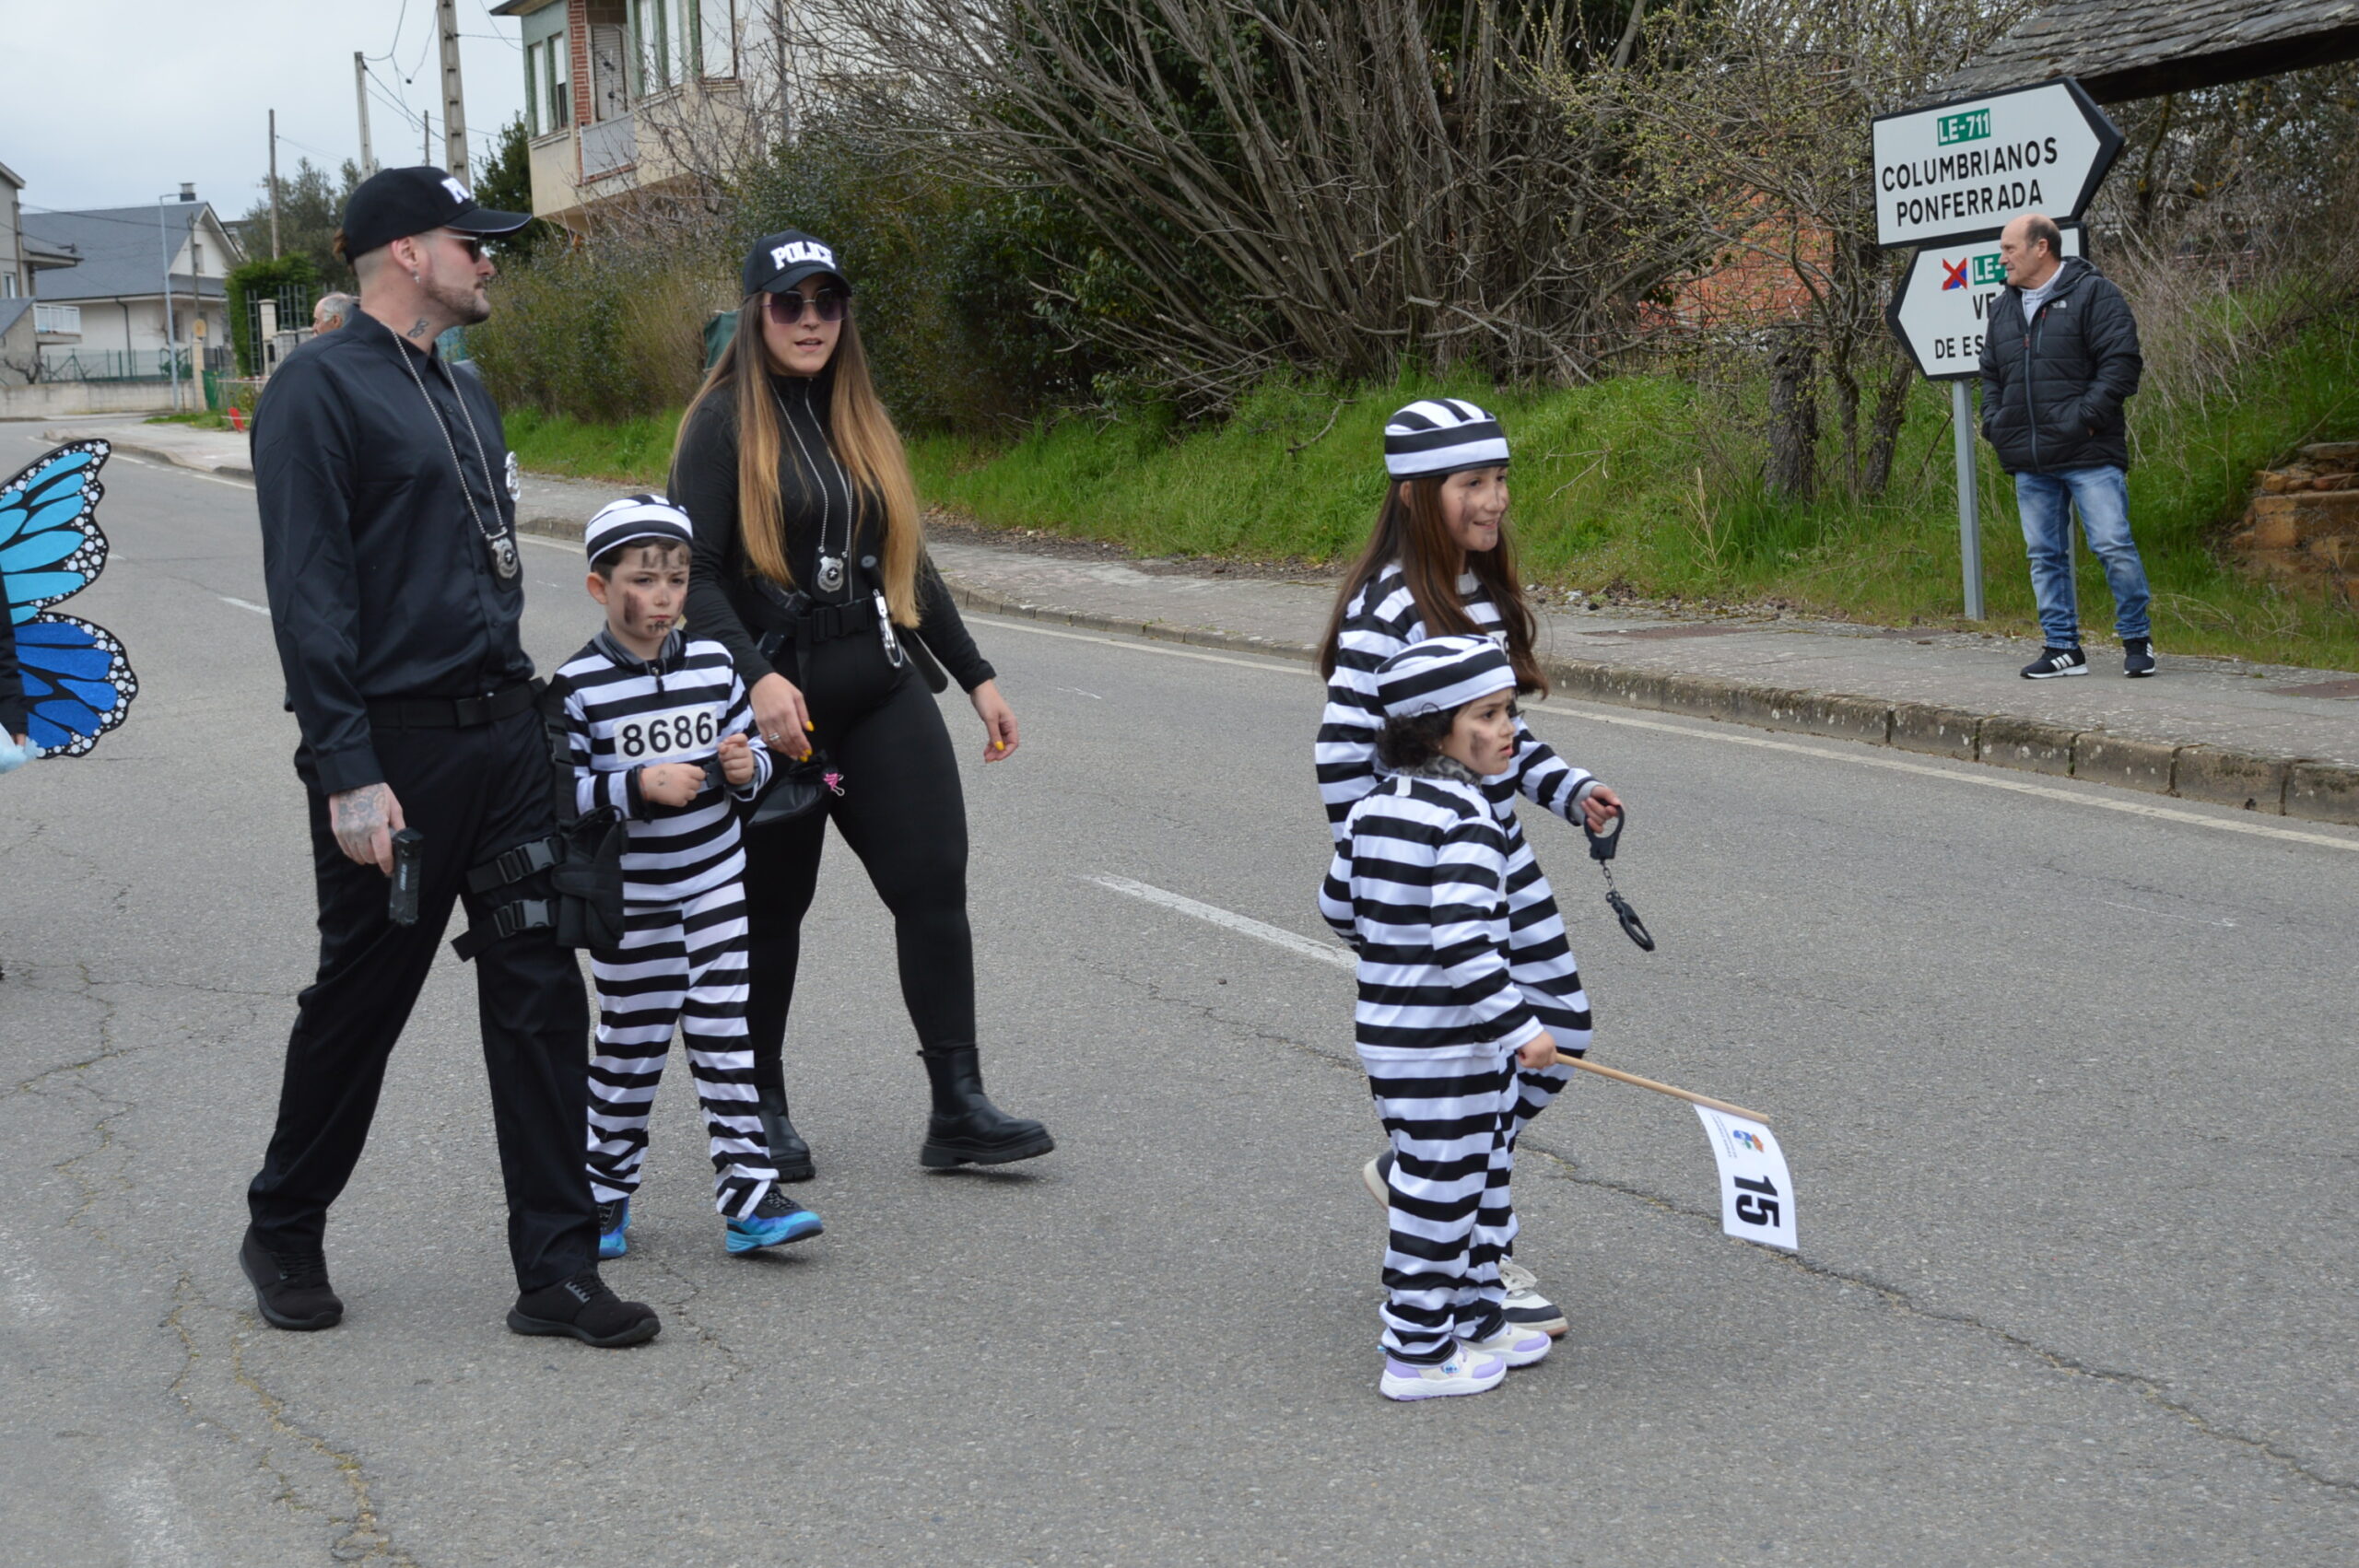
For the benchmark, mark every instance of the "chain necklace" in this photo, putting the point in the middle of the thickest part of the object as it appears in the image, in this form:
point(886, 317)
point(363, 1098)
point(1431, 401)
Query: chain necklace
point(501, 543)
point(831, 563)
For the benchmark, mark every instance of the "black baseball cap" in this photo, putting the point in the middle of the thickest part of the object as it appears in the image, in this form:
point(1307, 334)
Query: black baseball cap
point(394, 204)
point(778, 262)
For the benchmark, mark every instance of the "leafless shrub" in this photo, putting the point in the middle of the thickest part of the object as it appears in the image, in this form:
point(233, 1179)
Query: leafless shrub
point(1336, 185)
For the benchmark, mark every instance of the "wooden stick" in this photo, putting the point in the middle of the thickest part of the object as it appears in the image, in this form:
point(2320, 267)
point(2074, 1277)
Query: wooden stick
point(1635, 1081)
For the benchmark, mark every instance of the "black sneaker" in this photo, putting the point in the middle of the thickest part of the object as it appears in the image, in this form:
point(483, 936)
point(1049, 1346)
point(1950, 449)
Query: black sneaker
point(584, 1308)
point(2137, 657)
point(291, 1289)
point(2054, 661)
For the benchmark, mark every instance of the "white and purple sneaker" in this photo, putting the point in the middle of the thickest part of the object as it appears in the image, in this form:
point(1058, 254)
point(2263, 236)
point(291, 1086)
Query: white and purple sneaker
point(1466, 1372)
point(1514, 1345)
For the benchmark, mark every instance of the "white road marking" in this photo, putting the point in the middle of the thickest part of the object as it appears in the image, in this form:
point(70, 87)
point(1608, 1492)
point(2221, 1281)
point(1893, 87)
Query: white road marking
point(1862, 755)
point(1212, 914)
point(262, 610)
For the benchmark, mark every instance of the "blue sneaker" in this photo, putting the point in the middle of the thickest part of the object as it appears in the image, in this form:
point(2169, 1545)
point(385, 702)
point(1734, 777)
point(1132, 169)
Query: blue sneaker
point(775, 1219)
point(614, 1219)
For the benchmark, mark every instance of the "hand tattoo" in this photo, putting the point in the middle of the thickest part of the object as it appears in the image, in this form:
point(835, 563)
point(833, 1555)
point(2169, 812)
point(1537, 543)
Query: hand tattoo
point(357, 815)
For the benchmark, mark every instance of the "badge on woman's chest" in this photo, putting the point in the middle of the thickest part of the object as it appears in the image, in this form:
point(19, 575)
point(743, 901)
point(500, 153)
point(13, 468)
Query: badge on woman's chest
point(832, 574)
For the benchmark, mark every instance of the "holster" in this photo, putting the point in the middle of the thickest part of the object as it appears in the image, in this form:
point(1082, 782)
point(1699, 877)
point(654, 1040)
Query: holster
point(574, 877)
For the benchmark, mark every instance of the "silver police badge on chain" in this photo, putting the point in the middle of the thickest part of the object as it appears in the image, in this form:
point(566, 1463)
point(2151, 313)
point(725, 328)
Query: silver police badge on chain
point(504, 560)
point(831, 573)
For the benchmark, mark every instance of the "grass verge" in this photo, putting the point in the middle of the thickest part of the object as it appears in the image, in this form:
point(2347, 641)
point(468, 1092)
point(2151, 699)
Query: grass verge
point(1619, 490)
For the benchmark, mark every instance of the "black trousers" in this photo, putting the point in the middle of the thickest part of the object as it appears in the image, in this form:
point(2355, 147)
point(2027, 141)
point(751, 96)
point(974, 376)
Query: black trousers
point(904, 814)
point(473, 793)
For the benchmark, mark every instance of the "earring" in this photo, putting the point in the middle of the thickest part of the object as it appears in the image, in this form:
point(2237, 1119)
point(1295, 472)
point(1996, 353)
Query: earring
point(418, 279)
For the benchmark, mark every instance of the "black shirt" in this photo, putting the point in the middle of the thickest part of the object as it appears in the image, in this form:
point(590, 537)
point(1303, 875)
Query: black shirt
point(380, 583)
point(12, 687)
point(814, 497)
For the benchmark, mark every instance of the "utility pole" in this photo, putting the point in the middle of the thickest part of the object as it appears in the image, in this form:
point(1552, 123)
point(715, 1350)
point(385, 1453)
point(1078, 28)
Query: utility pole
point(273, 185)
point(454, 111)
point(426, 120)
point(360, 95)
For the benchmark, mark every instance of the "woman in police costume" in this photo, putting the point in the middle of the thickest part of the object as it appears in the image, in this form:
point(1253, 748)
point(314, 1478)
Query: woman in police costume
point(810, 569)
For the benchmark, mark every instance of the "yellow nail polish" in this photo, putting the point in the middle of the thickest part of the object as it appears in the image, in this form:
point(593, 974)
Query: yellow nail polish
point(808, 725)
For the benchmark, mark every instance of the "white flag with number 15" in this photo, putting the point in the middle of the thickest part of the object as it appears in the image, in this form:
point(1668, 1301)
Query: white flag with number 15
point(1756, 1192)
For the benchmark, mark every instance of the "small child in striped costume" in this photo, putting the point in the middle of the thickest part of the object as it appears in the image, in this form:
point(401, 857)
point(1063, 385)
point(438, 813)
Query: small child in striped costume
point(1419, 887)
point(662, 734)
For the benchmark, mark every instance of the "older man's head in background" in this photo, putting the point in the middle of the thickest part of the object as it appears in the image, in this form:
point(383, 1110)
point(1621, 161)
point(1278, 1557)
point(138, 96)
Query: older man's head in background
point(331, 311)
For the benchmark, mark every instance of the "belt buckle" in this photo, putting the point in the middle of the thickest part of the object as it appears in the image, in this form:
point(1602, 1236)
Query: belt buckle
point(473, 710)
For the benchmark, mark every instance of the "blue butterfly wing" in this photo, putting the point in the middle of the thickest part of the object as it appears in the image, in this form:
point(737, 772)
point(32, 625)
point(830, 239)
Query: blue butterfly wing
point(50, 544)
point(78, 683)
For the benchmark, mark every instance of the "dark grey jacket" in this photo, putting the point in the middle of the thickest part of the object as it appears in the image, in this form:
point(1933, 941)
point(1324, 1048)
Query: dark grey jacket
point(2053, 387)
point(12, 689)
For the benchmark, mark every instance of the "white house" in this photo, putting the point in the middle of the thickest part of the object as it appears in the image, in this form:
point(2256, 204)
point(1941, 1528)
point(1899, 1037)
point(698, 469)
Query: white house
point(628, 96)
point(128, 260)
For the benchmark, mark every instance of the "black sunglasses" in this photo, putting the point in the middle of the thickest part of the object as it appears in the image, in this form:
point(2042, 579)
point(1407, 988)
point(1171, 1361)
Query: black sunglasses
point(786, 310)
point(469, 243)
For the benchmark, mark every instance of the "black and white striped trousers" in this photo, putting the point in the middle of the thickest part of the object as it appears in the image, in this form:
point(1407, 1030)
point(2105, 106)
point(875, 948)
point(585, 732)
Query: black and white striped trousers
point(679, 963)
point(1450, 1119)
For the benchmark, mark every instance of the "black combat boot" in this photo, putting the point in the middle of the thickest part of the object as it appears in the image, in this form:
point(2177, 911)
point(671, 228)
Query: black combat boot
point(966, 1128)
point(788, 1151)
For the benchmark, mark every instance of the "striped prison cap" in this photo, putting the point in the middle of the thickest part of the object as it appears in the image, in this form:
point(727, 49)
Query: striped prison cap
point(1442, 435)
point(635, 519)
point(1441, 674)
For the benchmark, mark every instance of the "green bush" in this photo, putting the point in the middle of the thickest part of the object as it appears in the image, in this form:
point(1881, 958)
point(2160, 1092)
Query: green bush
point(263, 278)
point(601, 333)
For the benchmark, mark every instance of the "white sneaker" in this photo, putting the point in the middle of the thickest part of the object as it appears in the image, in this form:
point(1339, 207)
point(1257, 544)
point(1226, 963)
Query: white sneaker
point(1515, 1345)
point(1527, 1308)
point(1465, 1372)
point(1377, 1177)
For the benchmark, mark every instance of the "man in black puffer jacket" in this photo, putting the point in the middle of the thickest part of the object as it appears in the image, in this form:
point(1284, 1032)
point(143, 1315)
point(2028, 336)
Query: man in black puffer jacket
point(2059, 360)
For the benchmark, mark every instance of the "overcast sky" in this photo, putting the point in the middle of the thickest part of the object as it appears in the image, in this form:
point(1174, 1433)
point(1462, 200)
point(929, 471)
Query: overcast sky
point(114, 102)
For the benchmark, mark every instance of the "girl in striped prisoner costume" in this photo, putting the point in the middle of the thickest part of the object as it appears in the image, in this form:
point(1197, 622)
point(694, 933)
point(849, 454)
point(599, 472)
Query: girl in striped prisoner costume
point(660, 732)
point(1419, 887)
point(1439, 563)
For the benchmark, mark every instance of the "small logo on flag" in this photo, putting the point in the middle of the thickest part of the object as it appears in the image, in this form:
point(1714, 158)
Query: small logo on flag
point(1749, 1141)
point(1953, 276)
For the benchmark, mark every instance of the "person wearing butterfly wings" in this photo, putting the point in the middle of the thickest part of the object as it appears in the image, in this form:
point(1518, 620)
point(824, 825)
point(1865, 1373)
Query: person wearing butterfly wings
point(389, 549)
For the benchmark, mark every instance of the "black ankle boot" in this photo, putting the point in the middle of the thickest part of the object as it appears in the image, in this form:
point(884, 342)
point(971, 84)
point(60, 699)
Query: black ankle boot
point(966, 1128)
point(788, 1151)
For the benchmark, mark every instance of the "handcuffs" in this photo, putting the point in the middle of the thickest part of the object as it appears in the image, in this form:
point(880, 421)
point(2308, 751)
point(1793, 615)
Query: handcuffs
point(1601, 846)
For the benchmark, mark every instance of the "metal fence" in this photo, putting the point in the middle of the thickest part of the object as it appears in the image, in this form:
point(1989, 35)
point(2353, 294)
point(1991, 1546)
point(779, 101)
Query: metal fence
point(126, 364)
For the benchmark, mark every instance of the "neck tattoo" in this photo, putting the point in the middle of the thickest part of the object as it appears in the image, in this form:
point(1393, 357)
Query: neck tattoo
point(418, 330)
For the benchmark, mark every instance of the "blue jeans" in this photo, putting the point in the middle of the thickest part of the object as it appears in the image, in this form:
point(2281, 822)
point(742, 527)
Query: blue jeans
point(2102, 496)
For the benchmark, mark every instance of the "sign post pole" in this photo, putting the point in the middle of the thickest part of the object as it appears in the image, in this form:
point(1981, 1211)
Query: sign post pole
point(1969, 512)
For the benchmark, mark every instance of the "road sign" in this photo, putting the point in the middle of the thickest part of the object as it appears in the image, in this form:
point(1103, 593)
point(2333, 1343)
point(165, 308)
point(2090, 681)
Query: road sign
point(1965, 170)
point(1939, 308)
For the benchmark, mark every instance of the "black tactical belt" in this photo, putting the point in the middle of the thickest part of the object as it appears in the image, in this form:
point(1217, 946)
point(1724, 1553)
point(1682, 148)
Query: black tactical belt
point(454, 713)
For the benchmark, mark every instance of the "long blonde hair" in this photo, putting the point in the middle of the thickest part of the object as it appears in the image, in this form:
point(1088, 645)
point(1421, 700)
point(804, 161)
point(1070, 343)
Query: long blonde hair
point(865, 442)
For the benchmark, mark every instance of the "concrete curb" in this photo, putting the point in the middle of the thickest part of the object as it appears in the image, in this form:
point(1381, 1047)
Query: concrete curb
point(231, 469)
point(2294, 787)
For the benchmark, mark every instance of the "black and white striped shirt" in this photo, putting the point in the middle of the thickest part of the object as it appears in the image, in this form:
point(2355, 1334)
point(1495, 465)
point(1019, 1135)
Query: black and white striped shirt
point(623, 713)
point(1419, 887)
point(1379, 622)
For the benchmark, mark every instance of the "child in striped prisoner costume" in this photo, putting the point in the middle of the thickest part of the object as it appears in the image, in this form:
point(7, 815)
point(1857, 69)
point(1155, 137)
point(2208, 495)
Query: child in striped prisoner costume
point(660, 734)
point(1439, 563)
point(1419, 888)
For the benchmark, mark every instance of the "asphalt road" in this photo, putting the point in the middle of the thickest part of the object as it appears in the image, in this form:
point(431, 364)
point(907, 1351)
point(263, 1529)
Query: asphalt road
point(2065, 1087)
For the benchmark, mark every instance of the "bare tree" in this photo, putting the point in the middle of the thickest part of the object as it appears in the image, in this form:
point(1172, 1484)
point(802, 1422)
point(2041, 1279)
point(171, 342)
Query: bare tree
point(1335, 185)
point(1744, 176)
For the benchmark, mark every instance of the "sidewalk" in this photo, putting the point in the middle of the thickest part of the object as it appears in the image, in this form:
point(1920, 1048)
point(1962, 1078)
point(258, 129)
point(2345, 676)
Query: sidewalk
point(2269, 738)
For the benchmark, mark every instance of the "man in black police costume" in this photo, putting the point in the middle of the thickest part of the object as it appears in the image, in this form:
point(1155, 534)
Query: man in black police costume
point(388, 517)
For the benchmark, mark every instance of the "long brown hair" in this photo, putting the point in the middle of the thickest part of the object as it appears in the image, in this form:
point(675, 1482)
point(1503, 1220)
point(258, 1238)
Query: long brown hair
point(1410, 530)
point(865, 442)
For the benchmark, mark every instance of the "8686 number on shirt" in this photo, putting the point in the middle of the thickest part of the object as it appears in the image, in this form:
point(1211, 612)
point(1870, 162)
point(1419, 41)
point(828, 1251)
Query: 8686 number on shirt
point(667, 734)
